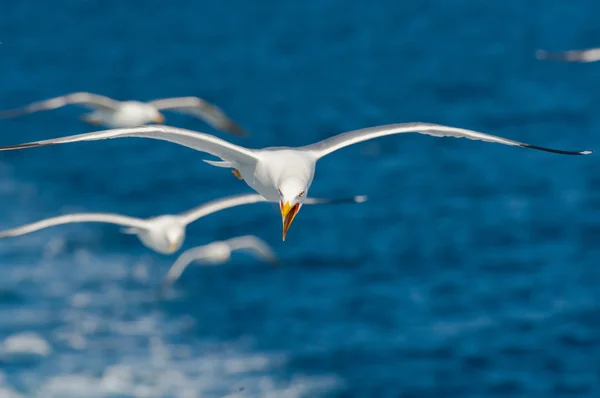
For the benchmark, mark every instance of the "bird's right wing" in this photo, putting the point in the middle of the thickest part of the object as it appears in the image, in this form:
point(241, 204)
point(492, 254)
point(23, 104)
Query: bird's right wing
point(218, 205)
point(202, 109)
point(589, 55)
point(191, 139)
point(88, 100)
point(255, 245)
point(75, 218)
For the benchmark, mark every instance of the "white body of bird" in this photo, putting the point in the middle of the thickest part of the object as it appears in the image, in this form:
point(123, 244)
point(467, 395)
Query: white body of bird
point(128, 114)
point(163, 234)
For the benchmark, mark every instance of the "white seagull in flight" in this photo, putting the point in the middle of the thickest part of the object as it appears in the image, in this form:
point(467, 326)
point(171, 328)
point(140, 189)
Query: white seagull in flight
point(164, 234)
point(279, 174)
point(117, 114)
point(588, 55)
point(217, 253)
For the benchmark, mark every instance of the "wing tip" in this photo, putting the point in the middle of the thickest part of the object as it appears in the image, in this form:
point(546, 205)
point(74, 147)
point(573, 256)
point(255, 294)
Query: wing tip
point(236, 129)
point(20, 146)
point(559, 151)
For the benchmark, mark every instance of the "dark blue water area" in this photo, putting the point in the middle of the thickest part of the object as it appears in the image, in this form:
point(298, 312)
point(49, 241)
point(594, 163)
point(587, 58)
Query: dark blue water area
point(472, 271)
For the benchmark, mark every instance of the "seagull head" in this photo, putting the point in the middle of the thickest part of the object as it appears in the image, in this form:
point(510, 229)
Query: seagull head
point(153, 114)
point(175, 236)
point(158, 118)
point(292, 192)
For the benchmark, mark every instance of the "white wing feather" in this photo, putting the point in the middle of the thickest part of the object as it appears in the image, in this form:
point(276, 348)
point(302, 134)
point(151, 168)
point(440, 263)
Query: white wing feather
point(191, 139)
point(202, 109)
point(218, 205)
point(88, 100)
point(182, 262)
point(334, 143)
point(75, 218)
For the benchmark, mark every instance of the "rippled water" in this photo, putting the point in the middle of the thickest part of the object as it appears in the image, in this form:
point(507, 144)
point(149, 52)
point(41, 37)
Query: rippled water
point(471, 271)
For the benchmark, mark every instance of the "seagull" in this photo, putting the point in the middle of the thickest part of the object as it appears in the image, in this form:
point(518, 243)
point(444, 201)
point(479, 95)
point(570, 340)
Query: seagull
point(117, 114)
point(164, 234)
point(588, 55)
point(279, 174)
point(217, 253)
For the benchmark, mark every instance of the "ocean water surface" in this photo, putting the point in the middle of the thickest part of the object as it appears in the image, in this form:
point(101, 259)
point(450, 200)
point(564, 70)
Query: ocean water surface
point(472, 271)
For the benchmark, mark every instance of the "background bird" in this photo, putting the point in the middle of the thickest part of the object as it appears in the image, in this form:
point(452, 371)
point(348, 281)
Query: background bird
point(588, 55)
point(217, 253)
point(164, 234)
point(113, 113)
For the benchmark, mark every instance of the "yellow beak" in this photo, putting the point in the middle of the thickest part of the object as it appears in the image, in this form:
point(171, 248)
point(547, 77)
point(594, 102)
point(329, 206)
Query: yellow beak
point(287, 216)
point(172, 246)
point(159, 119)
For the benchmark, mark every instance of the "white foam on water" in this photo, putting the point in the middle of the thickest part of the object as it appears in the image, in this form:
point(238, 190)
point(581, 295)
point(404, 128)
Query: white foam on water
point(159, 375)
point(25, 344)
point(9, 393)
point(102, 340)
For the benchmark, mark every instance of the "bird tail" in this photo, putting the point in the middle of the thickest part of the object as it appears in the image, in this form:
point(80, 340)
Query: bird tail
point(216, 163)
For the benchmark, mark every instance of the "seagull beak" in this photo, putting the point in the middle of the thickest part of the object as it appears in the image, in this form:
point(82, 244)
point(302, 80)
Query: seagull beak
point(287, 215)
point(159, 119)
point(172, 246)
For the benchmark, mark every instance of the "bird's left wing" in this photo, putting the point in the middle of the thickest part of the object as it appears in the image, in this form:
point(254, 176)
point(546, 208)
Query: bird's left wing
point(191, 139)
point(182, 262)
point(202, 109)
point(339, 141)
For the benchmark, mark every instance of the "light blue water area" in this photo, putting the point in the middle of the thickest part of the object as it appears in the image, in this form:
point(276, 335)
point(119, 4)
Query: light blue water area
point(471, 271)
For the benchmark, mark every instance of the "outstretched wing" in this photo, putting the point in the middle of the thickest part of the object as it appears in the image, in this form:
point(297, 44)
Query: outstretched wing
point(218, 205)
point(87, 100)
point(238, 200)
point(75, 218)
point(334, 143)
point(182, 262)
point(589, 55)
point(191, 139)
point(202, 109)
point(335, 201)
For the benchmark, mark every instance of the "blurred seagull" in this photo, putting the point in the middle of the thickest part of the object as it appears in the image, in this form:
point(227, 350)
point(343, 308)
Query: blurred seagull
point(217, 253)
point(280, 174)
point(589, 55)
point(164, 234)
point(113, 113)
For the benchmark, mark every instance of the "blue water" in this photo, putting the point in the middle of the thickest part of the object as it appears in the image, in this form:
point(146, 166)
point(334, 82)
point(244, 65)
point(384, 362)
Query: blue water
point(472, 271)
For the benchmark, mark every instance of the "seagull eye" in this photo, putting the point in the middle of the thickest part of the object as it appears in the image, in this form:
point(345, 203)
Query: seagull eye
point(279, 190)
point(301, 194)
